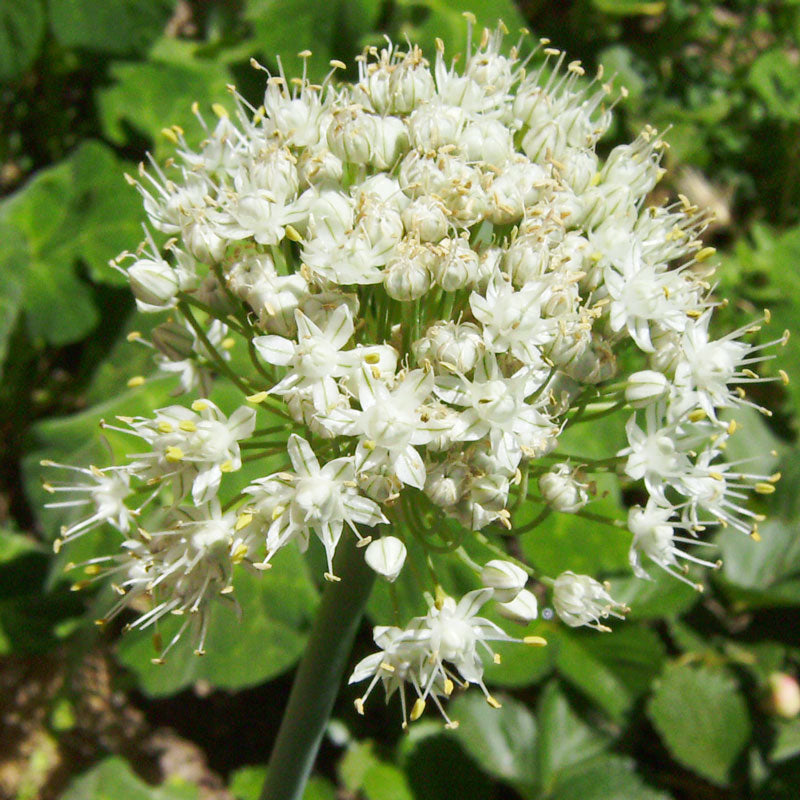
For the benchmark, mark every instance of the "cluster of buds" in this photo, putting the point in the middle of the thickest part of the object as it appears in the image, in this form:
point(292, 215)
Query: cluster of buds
point(430, 273)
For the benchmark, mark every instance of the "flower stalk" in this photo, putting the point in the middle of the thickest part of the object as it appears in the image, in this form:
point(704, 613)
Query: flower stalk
point(319, 676)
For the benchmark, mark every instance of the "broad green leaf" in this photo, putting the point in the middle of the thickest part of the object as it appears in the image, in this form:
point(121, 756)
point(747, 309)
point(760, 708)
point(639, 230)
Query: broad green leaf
point(113, 779)
point(520, 664)
point(360, 770)
point(121, 26)
point(775, 78)
point(22, 26)
point(618, 60)
point(330, 29)
point(425, 20)
point(702, 719)
point(148, 97)
point(612, 669)
point(564, 738)
point(661, 597)
point(13, 264)
point(501, 740)
point(59, 306)
point(77, 211)
point(607, 777)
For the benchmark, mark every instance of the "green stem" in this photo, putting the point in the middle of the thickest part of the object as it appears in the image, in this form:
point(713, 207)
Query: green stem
point(319, 676)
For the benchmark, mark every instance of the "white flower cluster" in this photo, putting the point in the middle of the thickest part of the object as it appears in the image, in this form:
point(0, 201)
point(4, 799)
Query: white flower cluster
point(433, 273)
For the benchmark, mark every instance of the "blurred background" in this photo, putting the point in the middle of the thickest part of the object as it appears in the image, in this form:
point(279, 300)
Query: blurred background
point(696, 696)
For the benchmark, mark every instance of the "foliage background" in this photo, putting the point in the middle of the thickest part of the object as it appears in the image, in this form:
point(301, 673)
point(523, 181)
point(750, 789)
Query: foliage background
point(675, 703)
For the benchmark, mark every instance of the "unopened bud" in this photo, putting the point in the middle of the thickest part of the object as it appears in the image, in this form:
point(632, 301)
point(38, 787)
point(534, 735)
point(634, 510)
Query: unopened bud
point(173, 340)
point(386, 556)
point(522, 609)
point(507, 579)
point(784, 696)
point(645, 387)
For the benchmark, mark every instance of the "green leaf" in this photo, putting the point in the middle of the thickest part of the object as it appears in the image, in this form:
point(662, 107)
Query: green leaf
point(787, 740)
point(360, 770)
point(113, 779)
point(78, 210)
point(660, 598)
point(564, 738)
point(330, 29)
point(425, 20)
point(776, 80)
point(612, 669)
point(148, 97)
point(276, 612)
point(121, 26)
point(702, 719)
point(502, 741)
point(607, 777)
point(246, 783)
point(21, 32)
point(13, 262)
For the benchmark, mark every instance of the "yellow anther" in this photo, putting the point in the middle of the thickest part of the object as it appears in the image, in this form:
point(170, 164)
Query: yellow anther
point(784, 376)
point(292, 234)
point(417, 709)
point(219, 110)
point(242, 521)
point(697, 415)
point(239, 553)
point(754, 534)
point(765, 488)
point(732, 427)
point(92, 569)
point(448, 687)
point(359, 704)
point(137, 380)
point(133, 336)
point(497, 658)
point(199, 405)
point(168, 133)
point(535, 641)
point(164, 427)
point(173, 454)
point(372, 358)
point(705, 254)
point(257, 398)
point(187, 425)
point(336, 64)
point(493, 702)
point(226, 466)
point(385, 665)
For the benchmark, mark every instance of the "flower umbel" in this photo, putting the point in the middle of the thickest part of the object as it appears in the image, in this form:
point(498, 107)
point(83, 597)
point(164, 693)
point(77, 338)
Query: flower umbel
point(415, 283)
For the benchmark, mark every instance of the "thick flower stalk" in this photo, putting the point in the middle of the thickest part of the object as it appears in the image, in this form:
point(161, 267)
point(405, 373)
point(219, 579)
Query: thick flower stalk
point(430, 274)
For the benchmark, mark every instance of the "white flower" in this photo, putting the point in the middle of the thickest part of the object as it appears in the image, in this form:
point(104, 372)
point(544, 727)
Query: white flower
point(581, 600)
point(315, 359)
point(319, 500)
point(654, 536)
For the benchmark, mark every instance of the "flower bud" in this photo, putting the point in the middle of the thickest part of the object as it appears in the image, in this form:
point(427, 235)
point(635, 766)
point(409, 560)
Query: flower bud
point(487, 141)
point(426, 218)
point(784, 696)
point(390, 141)
point(457, 266)
point(507, 579)
point(645, 387)
point(173, 340)
point(446, 483)
point(578, 168)
point(545, 142)
point(386, 556)
point(526, 258)
point(562, 491)
point(453, 346)
point(411, 83)
point(523, 609)
point(153, 282)
point(351, 134)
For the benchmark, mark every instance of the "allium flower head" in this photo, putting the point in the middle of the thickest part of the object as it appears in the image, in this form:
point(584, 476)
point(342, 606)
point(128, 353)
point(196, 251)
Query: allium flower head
point(416, 282)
